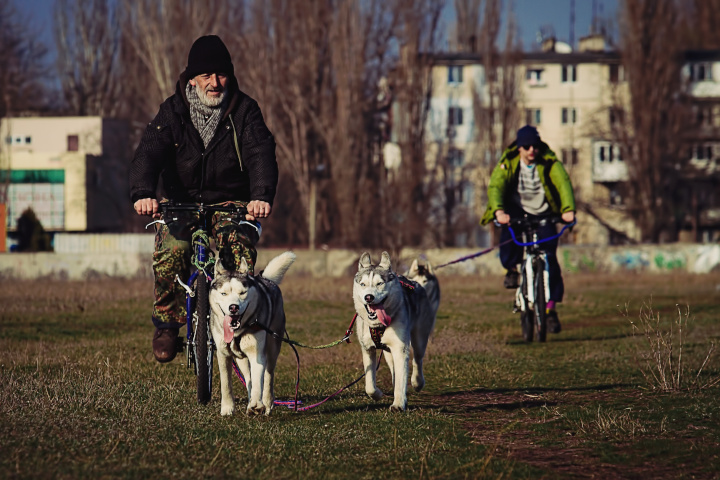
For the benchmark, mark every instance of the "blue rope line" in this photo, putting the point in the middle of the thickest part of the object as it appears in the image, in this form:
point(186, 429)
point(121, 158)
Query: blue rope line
point(521, 244)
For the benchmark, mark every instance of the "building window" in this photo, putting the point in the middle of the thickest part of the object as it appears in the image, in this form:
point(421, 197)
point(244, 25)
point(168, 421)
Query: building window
point(616, 115)
point(46, 199)
point(702, 152)
point(568, 116)
point(569, 74)
point(532, 116)
point(534, 76)
point(704, 115)
point(456, 158)
point(73, 143)
point(700, 72)
point(606, 152)
point(455, 74)
point(569, 156)
point(617, 73)
point(455, 116)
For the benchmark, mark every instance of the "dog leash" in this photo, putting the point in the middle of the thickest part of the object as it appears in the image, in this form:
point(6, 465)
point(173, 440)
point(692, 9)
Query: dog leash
point(293, 404)
point(474, 255)
point(346, 337)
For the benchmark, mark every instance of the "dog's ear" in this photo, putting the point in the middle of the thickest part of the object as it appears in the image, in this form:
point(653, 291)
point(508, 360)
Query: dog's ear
point(428, 265)
point(219, 268)
point(385, 261)
point(243, 268)
point(413, 269)
point(365, 261)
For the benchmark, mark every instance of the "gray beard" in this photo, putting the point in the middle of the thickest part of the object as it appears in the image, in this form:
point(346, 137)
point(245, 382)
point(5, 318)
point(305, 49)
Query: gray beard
point(208, 101)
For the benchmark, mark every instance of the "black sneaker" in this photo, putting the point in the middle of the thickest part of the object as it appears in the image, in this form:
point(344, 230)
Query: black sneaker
point(512, 279)
point(553, 322)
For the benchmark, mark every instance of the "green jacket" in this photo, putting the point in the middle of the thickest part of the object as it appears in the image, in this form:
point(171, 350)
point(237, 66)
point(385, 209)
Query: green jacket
point(504, 181)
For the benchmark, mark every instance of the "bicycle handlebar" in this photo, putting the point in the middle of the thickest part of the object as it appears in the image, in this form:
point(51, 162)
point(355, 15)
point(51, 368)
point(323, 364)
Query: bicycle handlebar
point(200, 207)
point(535, 222)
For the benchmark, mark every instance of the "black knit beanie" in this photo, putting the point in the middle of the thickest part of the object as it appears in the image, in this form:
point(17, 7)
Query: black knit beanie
point(208, 55)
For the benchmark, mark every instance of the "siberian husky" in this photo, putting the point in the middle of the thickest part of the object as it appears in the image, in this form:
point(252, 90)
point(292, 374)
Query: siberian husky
point(393, 314)
point(425, 276)
point(244, 310)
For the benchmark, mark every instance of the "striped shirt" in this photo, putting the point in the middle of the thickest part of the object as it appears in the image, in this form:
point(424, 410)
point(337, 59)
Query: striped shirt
point(531, 194)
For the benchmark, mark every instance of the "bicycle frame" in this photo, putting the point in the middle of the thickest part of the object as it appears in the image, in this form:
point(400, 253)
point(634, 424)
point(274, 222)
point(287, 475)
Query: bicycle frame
point(199, 343)
point(534, 289)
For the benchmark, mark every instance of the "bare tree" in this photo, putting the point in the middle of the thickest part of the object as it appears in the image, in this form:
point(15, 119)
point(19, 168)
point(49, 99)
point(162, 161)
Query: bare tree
point(315, 68)
point(653, 149)
point(87, 35)
point(156, 38)
point(21, 73)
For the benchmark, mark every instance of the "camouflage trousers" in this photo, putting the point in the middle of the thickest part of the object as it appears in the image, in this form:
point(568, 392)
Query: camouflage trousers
point(172, 256)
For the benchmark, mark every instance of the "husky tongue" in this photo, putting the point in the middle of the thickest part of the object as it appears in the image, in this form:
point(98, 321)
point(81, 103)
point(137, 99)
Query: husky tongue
point(381, 313)
point(228, 332)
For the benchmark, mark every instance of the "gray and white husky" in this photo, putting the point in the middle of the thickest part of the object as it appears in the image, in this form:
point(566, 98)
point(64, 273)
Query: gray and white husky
point(425, 276)
point(243, 309)
point(393, 314)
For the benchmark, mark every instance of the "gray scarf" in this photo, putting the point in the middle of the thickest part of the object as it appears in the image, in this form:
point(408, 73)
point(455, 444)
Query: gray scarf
point(205, 119)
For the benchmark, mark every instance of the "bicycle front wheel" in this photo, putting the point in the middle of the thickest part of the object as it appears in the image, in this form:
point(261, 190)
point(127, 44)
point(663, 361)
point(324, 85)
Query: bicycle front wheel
point(201, 341)
point(540, 300)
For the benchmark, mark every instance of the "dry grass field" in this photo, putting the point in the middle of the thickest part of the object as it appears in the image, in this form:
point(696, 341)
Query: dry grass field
point(627, 390)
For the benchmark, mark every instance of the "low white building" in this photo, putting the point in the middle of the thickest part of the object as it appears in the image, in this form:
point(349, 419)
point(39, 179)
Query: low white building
point(72, 171)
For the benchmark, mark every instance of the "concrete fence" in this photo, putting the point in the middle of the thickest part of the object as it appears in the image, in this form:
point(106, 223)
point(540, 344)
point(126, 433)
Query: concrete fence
point(130, 256)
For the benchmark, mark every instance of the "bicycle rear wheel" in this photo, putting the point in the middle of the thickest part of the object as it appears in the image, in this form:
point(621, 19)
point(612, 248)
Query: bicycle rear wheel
point(201, 343)
point(527, 320)
point(540, 300)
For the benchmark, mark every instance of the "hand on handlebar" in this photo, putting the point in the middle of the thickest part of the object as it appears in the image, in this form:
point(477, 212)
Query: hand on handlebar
point(568, 217)
point(147, 206)
point(502, 217)
point(258, 209)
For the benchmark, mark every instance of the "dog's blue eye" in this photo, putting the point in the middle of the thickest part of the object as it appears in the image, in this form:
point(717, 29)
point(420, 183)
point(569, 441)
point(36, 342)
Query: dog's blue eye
point(223, 294)
point(380, 284)
point(362, 284)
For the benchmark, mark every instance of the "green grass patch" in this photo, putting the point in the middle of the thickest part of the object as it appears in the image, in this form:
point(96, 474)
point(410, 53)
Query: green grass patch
point(82, 396)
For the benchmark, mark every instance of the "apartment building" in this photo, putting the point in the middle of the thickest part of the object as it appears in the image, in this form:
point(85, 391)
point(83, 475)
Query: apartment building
point(575, 98)
point(72, 171)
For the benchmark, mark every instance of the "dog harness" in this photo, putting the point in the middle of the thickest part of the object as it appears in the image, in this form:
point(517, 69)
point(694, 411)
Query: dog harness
point(377, 333)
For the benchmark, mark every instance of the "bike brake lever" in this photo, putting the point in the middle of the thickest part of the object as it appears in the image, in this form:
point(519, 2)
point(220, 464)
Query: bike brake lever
point(154, 222)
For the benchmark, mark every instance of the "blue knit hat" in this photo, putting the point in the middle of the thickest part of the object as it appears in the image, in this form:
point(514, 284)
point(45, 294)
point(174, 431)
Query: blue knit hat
point(527, 135)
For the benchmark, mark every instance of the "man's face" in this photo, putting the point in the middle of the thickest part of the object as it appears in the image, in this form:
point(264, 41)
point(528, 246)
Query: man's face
point(527, 153)
point(210, 88)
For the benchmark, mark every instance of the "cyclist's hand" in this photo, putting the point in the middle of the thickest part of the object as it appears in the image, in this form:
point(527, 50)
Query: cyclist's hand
point(258, 209)
point(568, 217)
point(147, 206)
point(502, 217)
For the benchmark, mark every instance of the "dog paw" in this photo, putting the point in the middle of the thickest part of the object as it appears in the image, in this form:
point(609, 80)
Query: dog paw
point(226, 410)
point(256, 410)
point(397, 407)
point(376, 395)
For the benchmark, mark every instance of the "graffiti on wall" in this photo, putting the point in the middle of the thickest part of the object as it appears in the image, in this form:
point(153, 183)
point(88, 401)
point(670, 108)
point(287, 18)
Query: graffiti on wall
point(631, 260)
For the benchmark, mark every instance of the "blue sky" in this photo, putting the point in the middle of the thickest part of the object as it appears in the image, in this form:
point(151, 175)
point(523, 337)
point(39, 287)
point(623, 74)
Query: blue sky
point(531, 15)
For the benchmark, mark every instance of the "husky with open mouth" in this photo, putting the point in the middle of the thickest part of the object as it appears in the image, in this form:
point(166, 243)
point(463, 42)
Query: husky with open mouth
point(246, 311)
point(393, 314)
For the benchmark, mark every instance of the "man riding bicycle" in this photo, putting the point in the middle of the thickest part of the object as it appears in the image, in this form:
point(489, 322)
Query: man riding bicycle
point(209, 144)
point(529, 179)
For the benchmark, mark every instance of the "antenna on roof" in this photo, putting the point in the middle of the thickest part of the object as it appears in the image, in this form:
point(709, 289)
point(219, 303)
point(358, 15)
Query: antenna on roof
point(572, 23)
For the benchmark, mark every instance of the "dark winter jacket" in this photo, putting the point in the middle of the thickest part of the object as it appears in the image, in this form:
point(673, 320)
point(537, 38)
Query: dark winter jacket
point(171, 148)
